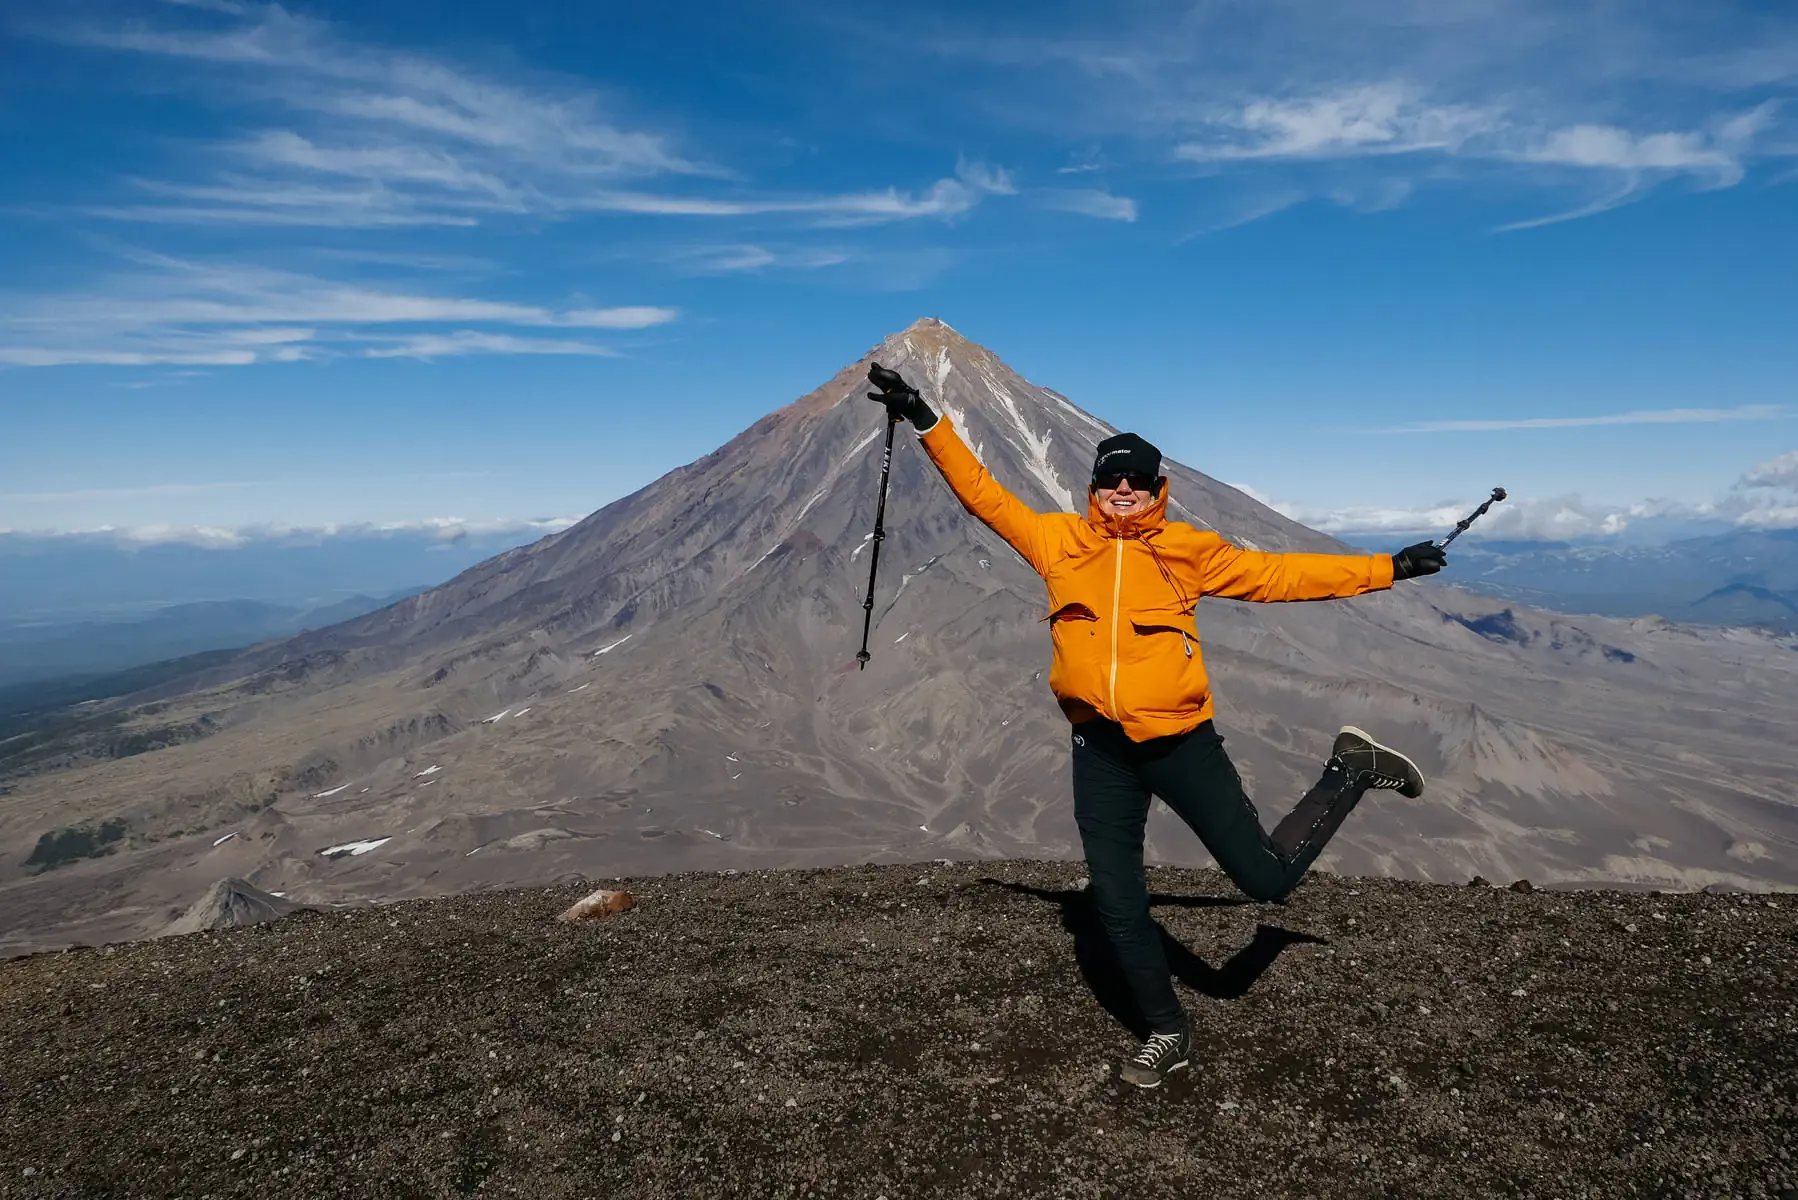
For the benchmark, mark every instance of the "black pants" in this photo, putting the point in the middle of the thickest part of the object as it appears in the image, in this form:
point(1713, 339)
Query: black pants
point(1114, 779)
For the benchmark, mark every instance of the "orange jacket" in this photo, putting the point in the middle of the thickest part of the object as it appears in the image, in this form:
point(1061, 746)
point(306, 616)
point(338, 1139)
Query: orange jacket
point(1122, 593)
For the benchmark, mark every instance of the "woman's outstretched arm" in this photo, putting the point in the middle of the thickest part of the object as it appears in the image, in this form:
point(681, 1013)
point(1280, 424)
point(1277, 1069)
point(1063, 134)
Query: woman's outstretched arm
point(1238, 574)
point(1022, 527)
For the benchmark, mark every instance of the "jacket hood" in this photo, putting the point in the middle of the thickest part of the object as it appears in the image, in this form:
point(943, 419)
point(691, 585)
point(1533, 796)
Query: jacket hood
point(1149, 519)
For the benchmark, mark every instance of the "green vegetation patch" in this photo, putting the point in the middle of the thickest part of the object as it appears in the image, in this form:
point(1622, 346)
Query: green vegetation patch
point(73, 843)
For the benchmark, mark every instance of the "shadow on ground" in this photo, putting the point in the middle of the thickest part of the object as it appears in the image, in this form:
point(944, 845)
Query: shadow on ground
point(1104, 975)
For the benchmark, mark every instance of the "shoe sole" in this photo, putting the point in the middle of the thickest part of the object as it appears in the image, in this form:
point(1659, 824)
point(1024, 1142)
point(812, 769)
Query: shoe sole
point(1157, 1083)
point(1362, 734)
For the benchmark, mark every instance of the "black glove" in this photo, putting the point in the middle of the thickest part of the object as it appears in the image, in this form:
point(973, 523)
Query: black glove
point(1425, 558)
point(902, 400)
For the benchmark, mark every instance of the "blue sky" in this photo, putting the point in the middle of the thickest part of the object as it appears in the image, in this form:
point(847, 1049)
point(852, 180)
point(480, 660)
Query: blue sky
point(336, 264)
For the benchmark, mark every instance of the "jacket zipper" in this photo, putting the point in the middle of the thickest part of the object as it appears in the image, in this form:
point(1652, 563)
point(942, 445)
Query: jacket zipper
point(1117, 617)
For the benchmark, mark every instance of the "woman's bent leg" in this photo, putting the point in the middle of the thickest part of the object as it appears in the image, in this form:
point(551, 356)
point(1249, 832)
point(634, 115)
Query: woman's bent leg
point(1111, 804)
point(1194, 775)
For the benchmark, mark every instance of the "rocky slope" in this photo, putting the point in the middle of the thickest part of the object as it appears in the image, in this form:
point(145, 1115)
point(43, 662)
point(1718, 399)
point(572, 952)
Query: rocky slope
point(921, 1030)
point(670, 685)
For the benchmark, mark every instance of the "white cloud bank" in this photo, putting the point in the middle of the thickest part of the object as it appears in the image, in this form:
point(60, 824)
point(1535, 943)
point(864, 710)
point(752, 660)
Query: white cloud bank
point(1763, 497)
point(444, 530)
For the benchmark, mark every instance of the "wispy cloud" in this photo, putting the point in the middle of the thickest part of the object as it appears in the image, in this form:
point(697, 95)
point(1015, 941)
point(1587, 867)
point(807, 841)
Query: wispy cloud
point(372, 138)
point(1089, 202)
point(1598, 101)
point(1383, 118)
point(748, 257)
point(124, 493)
point(1664, 416)
point(1390, 119)
point(468, 341)
point(184, 312)
point(303, 65)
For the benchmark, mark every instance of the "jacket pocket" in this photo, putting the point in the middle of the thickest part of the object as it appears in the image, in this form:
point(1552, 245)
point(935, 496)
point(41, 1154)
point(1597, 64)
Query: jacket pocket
point(1149, 629)
point(1168, 622)
point(1072, 611)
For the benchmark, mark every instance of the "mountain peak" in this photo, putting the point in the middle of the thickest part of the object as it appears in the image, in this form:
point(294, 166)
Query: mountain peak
point(930, 336)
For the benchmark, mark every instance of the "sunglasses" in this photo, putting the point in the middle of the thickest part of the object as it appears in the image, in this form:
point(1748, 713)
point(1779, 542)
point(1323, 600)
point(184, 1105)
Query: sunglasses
point(1138, 482)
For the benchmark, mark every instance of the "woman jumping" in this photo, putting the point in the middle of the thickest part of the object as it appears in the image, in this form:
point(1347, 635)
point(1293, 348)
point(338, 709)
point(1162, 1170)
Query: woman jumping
point(1123, 581)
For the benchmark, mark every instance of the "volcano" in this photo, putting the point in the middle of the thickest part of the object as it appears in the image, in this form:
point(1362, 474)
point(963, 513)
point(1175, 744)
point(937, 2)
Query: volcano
point(671, 685)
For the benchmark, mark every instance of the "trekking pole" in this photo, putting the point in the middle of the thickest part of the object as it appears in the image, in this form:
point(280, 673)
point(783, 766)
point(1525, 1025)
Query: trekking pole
point(1476, 514)
point(880, 512)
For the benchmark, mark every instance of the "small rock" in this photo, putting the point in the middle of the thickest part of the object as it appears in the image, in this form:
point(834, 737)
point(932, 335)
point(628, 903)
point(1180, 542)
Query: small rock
point(1081, 883)
point(617, 1135)
point(792, 1103)
point(30, 1171)
point(1523, 887)
point(602, 903)
point(1478, 881)
point(238, 1153)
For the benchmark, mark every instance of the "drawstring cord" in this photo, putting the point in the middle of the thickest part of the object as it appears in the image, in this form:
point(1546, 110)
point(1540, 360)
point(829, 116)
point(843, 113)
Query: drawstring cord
point(1168, 576)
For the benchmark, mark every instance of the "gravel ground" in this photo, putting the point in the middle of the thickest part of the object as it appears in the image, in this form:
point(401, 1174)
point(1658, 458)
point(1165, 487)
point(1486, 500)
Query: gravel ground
point(932, 1030)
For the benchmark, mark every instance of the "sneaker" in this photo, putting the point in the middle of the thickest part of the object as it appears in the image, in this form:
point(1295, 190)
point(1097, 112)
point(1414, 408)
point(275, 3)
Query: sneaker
point(1160, 1056)
point(1376, 766)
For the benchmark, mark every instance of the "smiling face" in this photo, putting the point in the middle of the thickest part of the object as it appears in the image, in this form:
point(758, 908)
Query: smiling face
point(1125, 494)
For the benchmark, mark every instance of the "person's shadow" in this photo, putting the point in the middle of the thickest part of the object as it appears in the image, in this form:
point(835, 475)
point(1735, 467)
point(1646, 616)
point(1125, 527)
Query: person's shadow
point(1104, 975)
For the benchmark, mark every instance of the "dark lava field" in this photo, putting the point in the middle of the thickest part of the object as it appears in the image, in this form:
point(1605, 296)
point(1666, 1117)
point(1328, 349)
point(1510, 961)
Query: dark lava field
point(918, 1031)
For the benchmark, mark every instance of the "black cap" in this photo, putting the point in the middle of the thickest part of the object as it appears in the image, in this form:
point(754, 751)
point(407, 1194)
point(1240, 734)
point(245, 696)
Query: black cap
point(1126, 454)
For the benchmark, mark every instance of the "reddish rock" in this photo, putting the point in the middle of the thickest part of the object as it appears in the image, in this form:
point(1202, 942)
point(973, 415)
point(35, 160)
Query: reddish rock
point(603, 903)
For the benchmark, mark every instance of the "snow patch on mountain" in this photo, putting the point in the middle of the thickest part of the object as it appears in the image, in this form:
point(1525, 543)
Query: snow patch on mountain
point(355, 848)
point(1035, 448)
point(960, 417)
point(1192, 517)
point(1104, 431)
